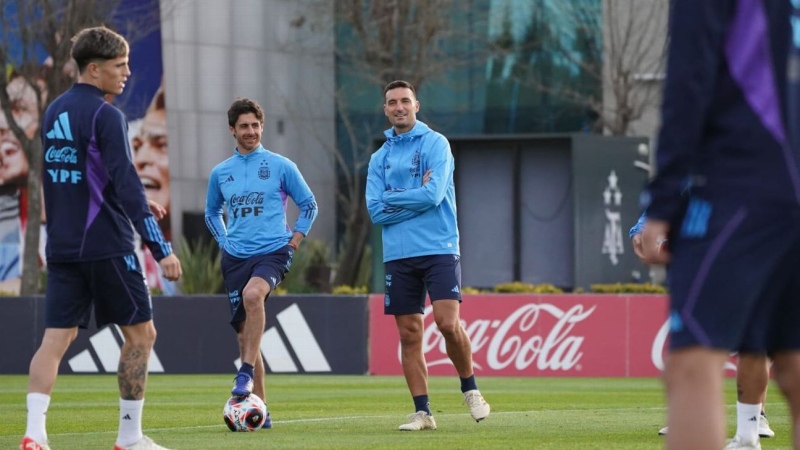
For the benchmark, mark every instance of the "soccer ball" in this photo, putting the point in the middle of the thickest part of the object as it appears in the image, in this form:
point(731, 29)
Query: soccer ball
point(244, 414)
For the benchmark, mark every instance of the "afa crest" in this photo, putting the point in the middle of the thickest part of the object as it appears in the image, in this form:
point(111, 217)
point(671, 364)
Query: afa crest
point(263, 170)
point(415, 172)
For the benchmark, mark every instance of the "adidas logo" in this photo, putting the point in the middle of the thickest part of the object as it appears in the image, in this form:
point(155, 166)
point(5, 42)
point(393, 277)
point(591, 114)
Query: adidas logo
point(126, 417)
point(61, 128)
point(455, 289)
point(229, 179)
point(752, 419)
point(103, 355)
point(301, 342)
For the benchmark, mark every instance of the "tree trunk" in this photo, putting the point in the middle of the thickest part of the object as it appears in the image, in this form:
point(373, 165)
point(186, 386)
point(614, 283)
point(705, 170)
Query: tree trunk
point(355, 240)
point(319, 278)
point(30, 258)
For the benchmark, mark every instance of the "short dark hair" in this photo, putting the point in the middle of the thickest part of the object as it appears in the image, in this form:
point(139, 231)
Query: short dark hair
point(243, 106)
point(399, 84)
point(97, 43)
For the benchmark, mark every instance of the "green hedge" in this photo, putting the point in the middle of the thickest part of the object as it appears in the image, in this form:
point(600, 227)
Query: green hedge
point(628, 288)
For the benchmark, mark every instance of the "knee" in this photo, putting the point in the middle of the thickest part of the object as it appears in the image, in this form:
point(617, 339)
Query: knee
point(410, 336)
point(254, 298)
point(142, 336)
point(69, 338)
point(787, 383)
point(149, 335)
point(59, 341)
point(677, 372)
point(753, 365)
point(449, 327)
point(787, 376)
point(677, 376)
point(695, 366)
point(72, 335)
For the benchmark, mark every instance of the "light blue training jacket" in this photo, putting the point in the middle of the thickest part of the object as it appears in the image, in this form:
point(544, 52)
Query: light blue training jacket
point(255, 188)
point(637, 229)
point(417, 220)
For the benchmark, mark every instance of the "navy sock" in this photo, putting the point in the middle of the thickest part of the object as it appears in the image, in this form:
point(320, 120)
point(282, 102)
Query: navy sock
point(468, 384)
point(248, 369)
point(421, 403)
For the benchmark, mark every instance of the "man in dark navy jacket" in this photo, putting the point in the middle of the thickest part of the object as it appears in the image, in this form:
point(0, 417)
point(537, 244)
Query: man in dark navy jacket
point(94, 201)
point(730, 119)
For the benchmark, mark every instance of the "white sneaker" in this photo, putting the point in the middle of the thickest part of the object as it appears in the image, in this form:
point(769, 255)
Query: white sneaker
point(738, 443)
point(763, 427)
point(420, 420)
point(663, 431)
point(145, 443)
point(478, 407)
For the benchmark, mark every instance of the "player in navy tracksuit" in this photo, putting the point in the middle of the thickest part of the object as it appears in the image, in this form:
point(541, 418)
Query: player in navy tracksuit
point(730, 120)
point(752, 373)
point(257, 244)
point(94, 201)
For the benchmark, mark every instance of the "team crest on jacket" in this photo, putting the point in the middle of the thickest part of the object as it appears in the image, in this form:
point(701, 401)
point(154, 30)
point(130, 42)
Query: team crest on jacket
point(263, 171)
point(415, 172)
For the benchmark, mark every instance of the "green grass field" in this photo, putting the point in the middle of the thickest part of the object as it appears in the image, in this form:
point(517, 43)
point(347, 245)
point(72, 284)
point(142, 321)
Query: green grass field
point(184, 412)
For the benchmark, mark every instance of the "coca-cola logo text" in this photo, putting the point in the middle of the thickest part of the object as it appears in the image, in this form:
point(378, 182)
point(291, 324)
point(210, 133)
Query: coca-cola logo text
point(62, 155)
point(511, 341)
point(253, 198)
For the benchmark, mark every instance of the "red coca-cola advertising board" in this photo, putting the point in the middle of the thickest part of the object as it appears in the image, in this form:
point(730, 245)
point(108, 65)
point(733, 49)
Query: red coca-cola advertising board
point(539, 335)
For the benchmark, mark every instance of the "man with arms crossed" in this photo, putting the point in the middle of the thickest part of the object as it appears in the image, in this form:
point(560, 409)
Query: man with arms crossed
point(410, 192)
point(92, 195)
point(730, 135)
point(257, 246)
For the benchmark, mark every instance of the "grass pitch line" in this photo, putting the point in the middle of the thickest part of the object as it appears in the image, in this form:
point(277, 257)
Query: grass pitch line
point(289, 422)
point(396, 416)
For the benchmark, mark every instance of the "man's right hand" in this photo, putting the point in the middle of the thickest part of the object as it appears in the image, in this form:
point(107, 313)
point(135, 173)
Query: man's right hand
point(636, 241)
point(171, 267)
point(158, 211)
point(654, 236)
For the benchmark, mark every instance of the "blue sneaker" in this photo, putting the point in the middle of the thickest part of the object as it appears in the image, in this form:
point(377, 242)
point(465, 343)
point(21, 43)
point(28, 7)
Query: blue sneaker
point(242, 385)
point(268, 422)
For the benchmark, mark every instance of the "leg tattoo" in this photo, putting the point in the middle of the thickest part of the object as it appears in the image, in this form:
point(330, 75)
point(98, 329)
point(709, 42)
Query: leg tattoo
point(132, 371)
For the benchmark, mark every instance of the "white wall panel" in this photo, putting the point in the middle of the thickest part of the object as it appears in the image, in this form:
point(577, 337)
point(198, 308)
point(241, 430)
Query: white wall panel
point(213, 78)
point(214, 22)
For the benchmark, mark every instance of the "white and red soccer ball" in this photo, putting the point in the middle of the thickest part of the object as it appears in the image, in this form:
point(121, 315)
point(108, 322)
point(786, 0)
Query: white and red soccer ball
point(244, 413)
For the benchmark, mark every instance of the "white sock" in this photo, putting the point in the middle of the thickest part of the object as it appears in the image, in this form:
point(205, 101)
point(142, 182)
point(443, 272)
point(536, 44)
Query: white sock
point(37, 417)
point(747, 421)
point(130, 422)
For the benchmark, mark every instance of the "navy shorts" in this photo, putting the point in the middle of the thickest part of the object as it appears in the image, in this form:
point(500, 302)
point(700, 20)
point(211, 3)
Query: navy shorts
point(115, 286)
point(734, 279)
point(408, 279)
point(237, 272)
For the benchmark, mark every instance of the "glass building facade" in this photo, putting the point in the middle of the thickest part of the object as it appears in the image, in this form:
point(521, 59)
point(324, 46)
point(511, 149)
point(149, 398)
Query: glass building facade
point(481, 67)
point(491, 66)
